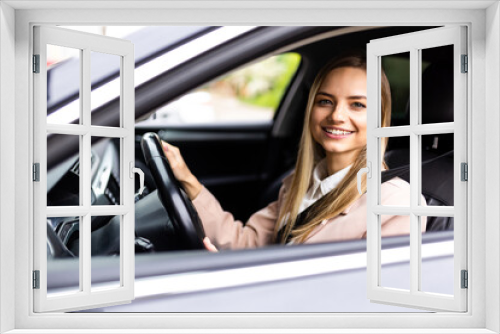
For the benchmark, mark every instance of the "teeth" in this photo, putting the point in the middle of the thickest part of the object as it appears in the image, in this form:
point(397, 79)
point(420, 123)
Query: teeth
point(337, 132)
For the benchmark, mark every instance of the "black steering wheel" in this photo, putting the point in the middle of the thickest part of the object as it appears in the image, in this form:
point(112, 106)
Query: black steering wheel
point(173, 197)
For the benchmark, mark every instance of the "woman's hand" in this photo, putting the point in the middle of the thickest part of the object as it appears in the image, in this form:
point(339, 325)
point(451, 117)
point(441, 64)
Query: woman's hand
point(209, 246)
point(181, 171)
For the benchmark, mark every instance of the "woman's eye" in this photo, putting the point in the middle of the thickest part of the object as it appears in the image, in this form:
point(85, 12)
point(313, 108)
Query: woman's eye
point(358, 105)
point(324, 102)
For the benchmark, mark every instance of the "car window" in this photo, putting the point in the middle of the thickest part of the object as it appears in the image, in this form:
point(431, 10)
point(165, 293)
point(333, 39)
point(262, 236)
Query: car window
point(247, 95)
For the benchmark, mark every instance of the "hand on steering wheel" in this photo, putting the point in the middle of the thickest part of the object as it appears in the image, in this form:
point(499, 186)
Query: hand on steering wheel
point(181, 171)
point(171, 193)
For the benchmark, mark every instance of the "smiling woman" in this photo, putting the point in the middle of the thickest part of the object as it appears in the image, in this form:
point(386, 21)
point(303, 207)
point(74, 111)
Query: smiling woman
point(319, 201)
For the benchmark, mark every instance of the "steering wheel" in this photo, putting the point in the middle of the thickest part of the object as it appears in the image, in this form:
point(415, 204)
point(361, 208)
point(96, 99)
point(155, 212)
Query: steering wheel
point(173, 197)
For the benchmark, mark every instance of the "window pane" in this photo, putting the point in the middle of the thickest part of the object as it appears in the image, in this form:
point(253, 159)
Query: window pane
point(63, 234)
point(63, 85)
point(437, 169)
point(398, 173)
point(105, 261)
point(106, 172)
point(63, 181)
point(438, 256)
point(105, 87)
point(395, 254)
point(437, 85)
point(251, 94)
point(397, 71)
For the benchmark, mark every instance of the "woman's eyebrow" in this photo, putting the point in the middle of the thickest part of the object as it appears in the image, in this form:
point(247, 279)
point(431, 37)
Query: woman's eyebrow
point(326, 94)
point(354, 97)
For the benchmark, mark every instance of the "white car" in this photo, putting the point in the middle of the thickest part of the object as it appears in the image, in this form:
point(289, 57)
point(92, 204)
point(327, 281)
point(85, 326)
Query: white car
point(234, 103)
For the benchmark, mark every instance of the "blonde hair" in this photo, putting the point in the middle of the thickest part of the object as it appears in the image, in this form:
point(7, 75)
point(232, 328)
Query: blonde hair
point(310, 153)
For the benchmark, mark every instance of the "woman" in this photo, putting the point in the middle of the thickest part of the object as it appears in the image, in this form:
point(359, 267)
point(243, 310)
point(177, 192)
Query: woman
point(319, 201)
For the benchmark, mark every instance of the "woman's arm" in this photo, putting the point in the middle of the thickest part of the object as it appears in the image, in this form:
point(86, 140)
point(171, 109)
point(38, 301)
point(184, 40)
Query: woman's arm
point(220, 226)
point(226, 232)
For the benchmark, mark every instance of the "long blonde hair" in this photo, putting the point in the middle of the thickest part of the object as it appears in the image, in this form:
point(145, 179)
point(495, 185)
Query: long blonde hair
point(310, 153)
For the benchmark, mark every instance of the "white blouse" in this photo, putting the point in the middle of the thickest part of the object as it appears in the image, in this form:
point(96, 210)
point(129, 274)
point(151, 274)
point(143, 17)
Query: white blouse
point(322, 185)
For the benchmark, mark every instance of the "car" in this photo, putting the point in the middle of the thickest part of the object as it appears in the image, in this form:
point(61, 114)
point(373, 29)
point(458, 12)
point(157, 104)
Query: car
point(247, 150)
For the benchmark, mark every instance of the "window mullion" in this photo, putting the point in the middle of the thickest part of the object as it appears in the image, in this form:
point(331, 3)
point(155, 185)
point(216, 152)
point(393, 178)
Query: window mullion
point(85, 175)
point(419, 129)
point(433, 129)
point(85, 158)
point(127, 154)
point(430, 211)
point(415, 90)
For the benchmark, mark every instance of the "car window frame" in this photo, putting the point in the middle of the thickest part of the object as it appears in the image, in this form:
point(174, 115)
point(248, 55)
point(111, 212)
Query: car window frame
point(21, 308)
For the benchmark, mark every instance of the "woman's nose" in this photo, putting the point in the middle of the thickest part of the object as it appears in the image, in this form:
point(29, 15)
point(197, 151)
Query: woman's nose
point(339, 113)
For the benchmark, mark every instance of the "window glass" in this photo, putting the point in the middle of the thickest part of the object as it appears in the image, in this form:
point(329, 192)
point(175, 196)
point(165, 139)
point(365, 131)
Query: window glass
point(250, 94)
point(61, 260)
point(395, 254)
point(437, 257)
point(105, 250)
point(63, 188)
point(438, 168)
point(104, 84)
point(437, 92)
point(397, 160)
point(63, 84)
point(397, 70)
point(106, 171)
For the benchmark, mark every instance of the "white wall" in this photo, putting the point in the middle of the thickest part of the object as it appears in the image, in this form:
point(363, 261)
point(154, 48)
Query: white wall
point(7, 160)
point(492, 153)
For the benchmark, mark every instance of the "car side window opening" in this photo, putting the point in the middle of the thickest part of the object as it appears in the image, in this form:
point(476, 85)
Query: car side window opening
point(252, 95)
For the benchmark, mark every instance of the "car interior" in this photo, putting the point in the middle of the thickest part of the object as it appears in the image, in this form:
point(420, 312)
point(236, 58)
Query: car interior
point(248, 159)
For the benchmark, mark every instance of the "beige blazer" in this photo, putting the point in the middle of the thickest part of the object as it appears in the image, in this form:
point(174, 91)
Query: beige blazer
point(226, 232)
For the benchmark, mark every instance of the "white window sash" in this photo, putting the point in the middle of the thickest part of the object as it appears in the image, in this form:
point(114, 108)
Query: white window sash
point(85, 298)
point(375, 50)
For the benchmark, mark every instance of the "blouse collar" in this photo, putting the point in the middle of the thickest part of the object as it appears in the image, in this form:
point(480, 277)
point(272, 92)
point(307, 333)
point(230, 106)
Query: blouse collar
point(324, 182)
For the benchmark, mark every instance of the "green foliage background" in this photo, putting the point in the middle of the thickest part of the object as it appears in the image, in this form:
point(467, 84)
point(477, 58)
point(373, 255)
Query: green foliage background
point(262, 84)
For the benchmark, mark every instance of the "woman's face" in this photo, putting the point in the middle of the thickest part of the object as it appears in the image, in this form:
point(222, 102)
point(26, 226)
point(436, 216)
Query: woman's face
point(338, 117)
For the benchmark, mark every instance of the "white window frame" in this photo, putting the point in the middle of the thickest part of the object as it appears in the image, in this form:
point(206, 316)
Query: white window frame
point(414, 43)
point(483, 246)
point(86, 44)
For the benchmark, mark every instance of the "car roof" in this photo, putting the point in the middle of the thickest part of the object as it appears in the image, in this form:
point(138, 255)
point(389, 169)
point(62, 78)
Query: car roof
point(63, 79)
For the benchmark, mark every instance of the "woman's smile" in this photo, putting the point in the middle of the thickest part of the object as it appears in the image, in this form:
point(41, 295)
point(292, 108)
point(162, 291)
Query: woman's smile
point(337, 133)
